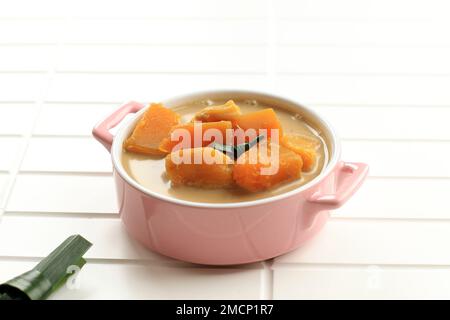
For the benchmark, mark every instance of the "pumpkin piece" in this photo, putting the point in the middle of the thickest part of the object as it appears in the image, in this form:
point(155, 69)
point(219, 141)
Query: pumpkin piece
point(265, 169)
point(261, 119)
point(200, 167)
point(196, 134)
point(227, 111)
point(151, 129)
point(304, 146)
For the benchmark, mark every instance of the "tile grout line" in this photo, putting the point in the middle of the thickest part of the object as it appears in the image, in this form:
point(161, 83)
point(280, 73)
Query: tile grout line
point(175, 264)
point(68, 173)
point(111, 215)
point(61, 214)
point(278, 265)
point(266, 290)
point(296, 265)
point(14, 171)
point(38, 104)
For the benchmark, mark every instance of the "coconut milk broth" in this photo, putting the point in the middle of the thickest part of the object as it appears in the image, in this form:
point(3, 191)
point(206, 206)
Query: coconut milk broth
point(149, 171)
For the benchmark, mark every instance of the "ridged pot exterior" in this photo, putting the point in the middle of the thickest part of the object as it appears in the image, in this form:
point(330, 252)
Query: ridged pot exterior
point(221, 236)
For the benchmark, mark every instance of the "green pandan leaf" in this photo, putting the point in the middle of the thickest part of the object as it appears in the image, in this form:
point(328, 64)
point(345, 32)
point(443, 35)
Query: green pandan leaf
point(49, 274)
point(235, 151)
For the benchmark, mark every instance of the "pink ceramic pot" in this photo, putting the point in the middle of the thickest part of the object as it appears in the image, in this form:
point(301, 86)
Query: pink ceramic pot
point(231, 233)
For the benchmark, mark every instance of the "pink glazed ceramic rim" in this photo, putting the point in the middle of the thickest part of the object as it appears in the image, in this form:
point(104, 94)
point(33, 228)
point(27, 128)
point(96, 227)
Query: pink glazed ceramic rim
point(116, 151)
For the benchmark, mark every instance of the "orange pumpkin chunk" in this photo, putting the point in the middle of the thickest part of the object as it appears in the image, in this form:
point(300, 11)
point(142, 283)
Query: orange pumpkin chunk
point(151, 129)
point(197, 134)
point(262, 119)
point(265, 169)
point(227, 111)
point(304, 146)
point(213, 170)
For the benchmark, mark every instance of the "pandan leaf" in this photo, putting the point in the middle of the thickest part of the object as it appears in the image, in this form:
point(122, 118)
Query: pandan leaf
point(225, 148)
point(49, 274)
point(235, 151)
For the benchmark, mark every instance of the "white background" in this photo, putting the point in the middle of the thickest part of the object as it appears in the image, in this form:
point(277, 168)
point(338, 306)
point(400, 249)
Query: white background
point(378, 70)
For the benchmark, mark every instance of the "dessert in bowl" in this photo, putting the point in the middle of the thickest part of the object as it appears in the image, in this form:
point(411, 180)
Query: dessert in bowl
point(226, 177)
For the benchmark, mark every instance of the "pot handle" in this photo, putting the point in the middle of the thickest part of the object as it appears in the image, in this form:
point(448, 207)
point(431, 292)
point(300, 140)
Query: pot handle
point(101, 130)
point(349, 177)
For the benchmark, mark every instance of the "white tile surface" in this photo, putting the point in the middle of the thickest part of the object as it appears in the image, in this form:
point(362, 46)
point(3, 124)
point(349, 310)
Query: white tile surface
point(169, 59)
point(66, 155)
point(378, 70)
point(12, 149)
point(28, 8)
point(142, 87)
point(400, 242)
point(26, 31)
point(369, 89)
point(360, 282)
point(135, 8)
point(401, 159)
point(4, 180)
point(363, 32)
point(22, 86)
point(27, 58)
point(355, 60)
point(162, 282)
point(359, 122)
point(16, 118)
point(42, 234)
point(376, 242)
point(71, 119)
point(111, 281)
point(392, 204)
point(171, 9)
point(63, 194)
point(312, 89)
point(185, 32)
point(360, 10)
